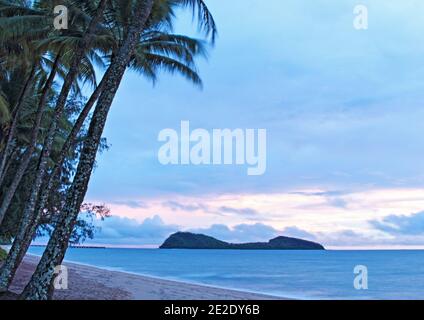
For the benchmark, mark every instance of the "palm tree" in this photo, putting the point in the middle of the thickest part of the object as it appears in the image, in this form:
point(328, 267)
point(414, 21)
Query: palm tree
point(146, 60)
point(26, 158)
point(12, 114)
point(19, 26)
point(30, 220)
point(82, 47)
point(11, 223)
point(19, 245)
point(40, 285)
point(72, 74)
point(73, 71)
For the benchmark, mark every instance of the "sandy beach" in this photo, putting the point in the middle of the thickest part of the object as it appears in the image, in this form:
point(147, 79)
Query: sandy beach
point(90, 283)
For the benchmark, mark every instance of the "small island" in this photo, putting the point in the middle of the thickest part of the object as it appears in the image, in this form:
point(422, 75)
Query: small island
point(187, 240)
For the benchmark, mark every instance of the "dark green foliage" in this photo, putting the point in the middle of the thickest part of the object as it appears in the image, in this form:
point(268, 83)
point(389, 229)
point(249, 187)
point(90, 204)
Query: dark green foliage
point(3, 254)
point(187, 240)
point(57, 198)
point(49, 134)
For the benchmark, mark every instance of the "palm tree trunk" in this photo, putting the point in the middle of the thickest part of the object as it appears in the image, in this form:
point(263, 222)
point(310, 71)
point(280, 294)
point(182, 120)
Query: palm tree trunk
point(25, 233)
point(26, 158)
point(12, 157)
point(68, 145)
point(16, 114)
point(28, 222)
point(83, 45)
point(39, 287)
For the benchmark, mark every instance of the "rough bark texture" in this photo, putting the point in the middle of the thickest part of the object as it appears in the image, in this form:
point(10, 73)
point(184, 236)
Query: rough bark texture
point(60, 106)
point(16, 115)
point(26, 157)
point(29, 221)
point(10, 159)
point(70, 141)
point(39, 286)
point(26, 233)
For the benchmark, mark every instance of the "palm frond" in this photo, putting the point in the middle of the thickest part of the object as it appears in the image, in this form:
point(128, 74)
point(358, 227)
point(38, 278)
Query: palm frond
point(4, 109)
point(206, 22)
point(150, 64)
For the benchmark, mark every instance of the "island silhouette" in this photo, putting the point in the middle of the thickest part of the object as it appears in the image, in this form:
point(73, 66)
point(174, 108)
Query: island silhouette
point(187, 240)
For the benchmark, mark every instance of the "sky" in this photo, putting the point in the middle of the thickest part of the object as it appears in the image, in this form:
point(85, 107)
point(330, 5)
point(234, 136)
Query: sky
point(343, 110)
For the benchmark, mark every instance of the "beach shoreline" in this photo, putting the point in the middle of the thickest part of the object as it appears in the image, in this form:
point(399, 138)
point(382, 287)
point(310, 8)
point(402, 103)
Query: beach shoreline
point(94, 283)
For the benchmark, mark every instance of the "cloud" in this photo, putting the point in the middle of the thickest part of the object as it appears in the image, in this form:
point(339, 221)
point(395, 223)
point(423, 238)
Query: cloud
point(332, 198)
point(221, 210)
point(319, 125)
point(153, 231)
point(298, 233)
point(240, 233)
point(240, 211)
point(133, 204)
point(412, 225)
point(257, 232)
point(390, 231)
point(124, 231)
point(330, 193)
point(348, 238)
point(337, 202)
point(174, 205)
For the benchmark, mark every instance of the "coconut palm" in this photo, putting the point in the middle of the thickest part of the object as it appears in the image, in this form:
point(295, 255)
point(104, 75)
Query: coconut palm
point(83, 45)
point(40, 286)
point(19, 26)
point(74, 70)
point(148, 57)
point(146, 60)
point(72, 73)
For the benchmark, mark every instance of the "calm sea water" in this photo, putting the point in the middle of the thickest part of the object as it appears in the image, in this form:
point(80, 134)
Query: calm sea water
point(296, 274)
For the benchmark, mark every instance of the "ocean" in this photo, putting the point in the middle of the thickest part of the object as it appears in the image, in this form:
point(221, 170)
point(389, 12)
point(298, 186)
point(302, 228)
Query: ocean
point(292, 274)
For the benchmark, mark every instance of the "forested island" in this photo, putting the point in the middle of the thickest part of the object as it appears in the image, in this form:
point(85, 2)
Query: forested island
point(187, 240)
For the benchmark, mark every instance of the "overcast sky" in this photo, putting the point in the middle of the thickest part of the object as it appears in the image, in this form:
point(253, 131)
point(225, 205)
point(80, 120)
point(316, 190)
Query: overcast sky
point(344, 113)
